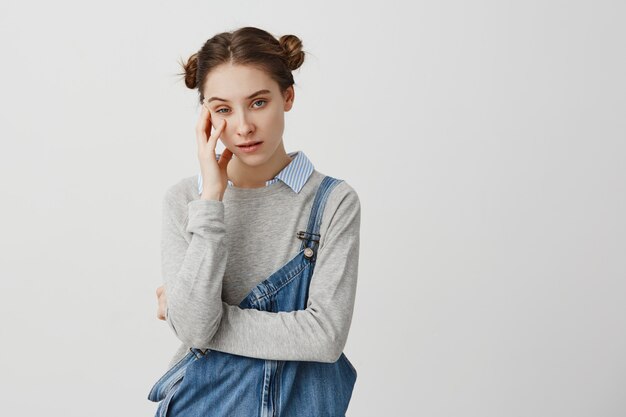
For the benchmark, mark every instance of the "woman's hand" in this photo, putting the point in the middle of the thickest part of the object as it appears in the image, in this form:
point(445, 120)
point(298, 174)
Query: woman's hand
point(162, 300)
point(214, 177)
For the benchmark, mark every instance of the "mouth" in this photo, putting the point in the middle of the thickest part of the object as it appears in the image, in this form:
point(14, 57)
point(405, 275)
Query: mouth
point(250, 146)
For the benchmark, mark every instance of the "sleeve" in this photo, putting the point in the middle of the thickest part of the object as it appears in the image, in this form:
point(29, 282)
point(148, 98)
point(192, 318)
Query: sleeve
point(193, 266)
point(319, 332)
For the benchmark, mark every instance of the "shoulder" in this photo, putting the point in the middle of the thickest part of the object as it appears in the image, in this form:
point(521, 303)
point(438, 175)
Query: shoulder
point(345, 198)
point(343, 195)
point(342, 213)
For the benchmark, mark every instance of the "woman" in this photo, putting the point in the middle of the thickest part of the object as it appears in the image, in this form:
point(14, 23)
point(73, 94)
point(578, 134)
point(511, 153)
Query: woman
point(259, 250)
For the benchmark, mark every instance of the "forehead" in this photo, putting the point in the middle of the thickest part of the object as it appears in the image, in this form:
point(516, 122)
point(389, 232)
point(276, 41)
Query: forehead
point(236, 82)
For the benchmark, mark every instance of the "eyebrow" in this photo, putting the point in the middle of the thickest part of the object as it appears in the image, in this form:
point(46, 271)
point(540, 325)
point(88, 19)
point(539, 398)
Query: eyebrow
point(247, 98)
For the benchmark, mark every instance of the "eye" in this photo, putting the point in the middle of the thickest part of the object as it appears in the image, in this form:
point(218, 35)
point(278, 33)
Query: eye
point(257, 101)
point(263, 101)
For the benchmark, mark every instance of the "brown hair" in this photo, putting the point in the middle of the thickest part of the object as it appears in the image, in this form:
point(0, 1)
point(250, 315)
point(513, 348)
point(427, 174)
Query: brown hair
point(246, 46)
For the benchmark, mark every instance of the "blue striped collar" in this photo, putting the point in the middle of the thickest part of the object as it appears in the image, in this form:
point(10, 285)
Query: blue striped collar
point(295, 174)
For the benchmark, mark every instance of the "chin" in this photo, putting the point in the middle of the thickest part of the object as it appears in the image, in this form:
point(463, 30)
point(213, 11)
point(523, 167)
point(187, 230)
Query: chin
point(252, 160)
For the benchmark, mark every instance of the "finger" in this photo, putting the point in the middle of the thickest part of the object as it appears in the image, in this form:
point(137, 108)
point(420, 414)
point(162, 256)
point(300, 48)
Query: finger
point(225, 158)
point(203, 119)
point(216, 134)
point(161, 309)
point(203, 127)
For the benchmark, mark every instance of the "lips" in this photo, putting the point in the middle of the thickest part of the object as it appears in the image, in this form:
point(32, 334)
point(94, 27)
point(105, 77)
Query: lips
point(248, 144)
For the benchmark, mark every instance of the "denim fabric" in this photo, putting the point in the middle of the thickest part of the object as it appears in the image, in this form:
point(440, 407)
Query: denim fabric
point(218, 384)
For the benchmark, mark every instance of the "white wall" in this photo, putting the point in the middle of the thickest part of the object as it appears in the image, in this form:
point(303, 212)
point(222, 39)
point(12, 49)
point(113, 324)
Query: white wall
point(486, 140)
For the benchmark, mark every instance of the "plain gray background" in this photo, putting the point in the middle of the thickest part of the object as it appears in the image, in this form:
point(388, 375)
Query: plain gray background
point(486, 141)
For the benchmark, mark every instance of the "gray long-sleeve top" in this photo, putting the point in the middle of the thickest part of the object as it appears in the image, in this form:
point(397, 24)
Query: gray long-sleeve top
point(215, 252)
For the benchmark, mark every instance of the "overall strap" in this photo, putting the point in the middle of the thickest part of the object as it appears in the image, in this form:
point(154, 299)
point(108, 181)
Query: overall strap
point(311, 237)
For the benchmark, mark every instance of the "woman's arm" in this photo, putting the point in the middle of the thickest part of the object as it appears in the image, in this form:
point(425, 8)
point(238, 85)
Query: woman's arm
point(319, 332)
point(194, 303)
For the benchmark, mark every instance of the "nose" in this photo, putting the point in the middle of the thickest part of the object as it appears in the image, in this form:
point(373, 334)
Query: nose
point(244, 127)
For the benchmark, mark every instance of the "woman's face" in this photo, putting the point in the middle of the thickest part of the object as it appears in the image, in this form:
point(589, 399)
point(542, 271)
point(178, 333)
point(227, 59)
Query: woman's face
point(229, 93)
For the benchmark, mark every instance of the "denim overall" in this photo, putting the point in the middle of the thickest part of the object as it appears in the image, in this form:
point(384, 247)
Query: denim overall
point(218, 384)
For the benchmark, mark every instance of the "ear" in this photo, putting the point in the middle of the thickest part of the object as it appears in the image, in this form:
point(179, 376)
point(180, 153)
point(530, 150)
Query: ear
point(289, 96)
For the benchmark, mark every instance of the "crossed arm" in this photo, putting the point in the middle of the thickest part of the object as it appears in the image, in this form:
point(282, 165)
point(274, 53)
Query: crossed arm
point(193, 265)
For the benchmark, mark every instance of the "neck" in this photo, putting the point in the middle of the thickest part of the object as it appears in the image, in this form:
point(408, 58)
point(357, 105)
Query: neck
point(247, 176)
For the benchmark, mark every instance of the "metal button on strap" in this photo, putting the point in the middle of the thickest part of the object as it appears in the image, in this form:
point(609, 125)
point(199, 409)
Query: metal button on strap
point(308, 252)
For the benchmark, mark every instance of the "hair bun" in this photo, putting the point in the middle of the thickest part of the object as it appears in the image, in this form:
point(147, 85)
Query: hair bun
point(292, 45)
point(191, 70)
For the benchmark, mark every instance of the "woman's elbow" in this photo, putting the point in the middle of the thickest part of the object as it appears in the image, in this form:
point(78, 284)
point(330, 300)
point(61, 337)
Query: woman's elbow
point(331, 351)
point(195, 332)
point(329, 357)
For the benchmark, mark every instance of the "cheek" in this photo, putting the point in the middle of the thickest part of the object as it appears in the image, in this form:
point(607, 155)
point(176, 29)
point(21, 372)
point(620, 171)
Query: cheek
point(216, 118)
point(217, 121)
point(275, 120)
point(279, 122)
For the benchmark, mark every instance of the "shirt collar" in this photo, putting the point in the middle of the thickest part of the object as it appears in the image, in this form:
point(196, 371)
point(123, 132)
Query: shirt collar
point(295, 174)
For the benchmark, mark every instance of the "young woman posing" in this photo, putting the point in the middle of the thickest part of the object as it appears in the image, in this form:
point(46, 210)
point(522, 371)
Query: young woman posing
point(259, 250)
